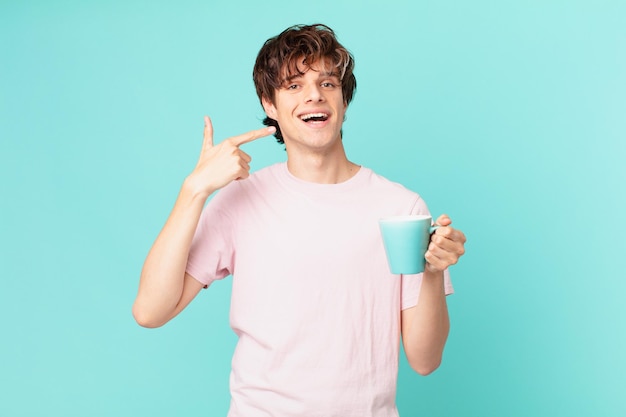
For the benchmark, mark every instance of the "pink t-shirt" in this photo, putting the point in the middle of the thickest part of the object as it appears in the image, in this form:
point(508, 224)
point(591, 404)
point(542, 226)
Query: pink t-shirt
point(314, 305)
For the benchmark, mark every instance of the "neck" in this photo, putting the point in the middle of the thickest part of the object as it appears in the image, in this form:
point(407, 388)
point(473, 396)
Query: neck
point(321, 167)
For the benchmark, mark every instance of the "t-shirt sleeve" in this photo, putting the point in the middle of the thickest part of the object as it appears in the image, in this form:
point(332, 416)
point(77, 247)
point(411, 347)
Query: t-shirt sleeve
point(212, 250)
point(411, 284)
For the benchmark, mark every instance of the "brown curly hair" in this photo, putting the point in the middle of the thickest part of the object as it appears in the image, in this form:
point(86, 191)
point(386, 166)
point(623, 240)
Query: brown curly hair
point(281, 58)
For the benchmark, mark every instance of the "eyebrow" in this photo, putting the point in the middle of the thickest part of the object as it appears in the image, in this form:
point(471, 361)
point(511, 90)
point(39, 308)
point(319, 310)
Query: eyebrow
point(324, 74)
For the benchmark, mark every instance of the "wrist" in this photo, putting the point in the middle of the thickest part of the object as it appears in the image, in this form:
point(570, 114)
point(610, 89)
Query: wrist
point(193, 190)
point(433, 281)
point(432, 274)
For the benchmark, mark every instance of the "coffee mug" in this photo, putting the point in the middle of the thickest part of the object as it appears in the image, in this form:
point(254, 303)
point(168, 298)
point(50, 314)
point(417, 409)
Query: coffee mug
point(406, 240)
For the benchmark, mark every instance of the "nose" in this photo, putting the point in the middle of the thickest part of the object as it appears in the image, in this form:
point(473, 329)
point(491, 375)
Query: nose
point(313, 94)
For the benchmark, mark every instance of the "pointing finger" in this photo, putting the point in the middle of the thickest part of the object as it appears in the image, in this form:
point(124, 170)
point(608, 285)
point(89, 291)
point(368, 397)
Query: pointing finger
point(252, 135)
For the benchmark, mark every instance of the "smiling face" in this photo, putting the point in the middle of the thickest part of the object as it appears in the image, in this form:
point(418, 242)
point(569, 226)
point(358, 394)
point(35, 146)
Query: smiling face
point(295, 52)
point(309, 108)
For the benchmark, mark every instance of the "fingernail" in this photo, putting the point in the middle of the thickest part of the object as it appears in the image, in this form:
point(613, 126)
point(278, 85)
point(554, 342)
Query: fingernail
point(271, 129)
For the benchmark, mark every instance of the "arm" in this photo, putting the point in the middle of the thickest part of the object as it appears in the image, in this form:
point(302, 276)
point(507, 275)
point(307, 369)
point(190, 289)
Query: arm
point(164, 287)
point(425, 326)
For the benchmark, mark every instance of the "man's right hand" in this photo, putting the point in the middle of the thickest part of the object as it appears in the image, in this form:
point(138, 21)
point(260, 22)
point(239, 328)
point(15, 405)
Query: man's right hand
point(220, 164)
point(165, 288)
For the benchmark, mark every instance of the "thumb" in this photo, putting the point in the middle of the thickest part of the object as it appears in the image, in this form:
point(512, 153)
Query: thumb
point(443, 220)
point(208, 133)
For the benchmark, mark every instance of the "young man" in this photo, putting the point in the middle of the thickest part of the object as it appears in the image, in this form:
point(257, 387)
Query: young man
point(318, 314)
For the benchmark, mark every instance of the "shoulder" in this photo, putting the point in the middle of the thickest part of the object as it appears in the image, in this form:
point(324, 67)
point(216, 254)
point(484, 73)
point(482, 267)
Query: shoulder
point(379, 182)
point(268, 173)
point(257, 183)
point(396, 193)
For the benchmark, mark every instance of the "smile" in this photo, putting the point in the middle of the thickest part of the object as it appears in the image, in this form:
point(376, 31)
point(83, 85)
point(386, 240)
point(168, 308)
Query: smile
point(314, 117)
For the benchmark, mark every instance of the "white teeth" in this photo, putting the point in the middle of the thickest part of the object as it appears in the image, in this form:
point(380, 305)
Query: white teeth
point(308, 116)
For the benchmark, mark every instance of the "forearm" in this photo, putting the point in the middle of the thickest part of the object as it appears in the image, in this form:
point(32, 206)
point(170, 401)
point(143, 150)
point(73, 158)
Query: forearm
point(162, 276)
point(426, 326)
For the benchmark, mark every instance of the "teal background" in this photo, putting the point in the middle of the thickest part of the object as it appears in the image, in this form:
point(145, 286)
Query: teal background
point(507, 115)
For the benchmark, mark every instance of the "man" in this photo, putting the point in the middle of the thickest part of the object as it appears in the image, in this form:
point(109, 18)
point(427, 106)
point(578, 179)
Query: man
point(318, 314)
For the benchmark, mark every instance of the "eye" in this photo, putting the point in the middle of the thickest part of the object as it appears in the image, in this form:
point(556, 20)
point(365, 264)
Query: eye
point(328, 84)
point(292, 86)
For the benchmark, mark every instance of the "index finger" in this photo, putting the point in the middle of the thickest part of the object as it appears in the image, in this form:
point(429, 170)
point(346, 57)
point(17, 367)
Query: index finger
point(448, 232)
point(252, 135)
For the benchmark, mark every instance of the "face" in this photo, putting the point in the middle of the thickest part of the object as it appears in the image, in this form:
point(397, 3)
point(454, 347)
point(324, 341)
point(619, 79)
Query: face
point(309, 110)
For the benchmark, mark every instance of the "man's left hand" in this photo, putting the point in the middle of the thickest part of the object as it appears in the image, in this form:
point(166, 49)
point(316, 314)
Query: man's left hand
point(446, 246)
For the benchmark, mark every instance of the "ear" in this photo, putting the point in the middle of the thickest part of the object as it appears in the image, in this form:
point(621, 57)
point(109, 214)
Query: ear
point(269, 107)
